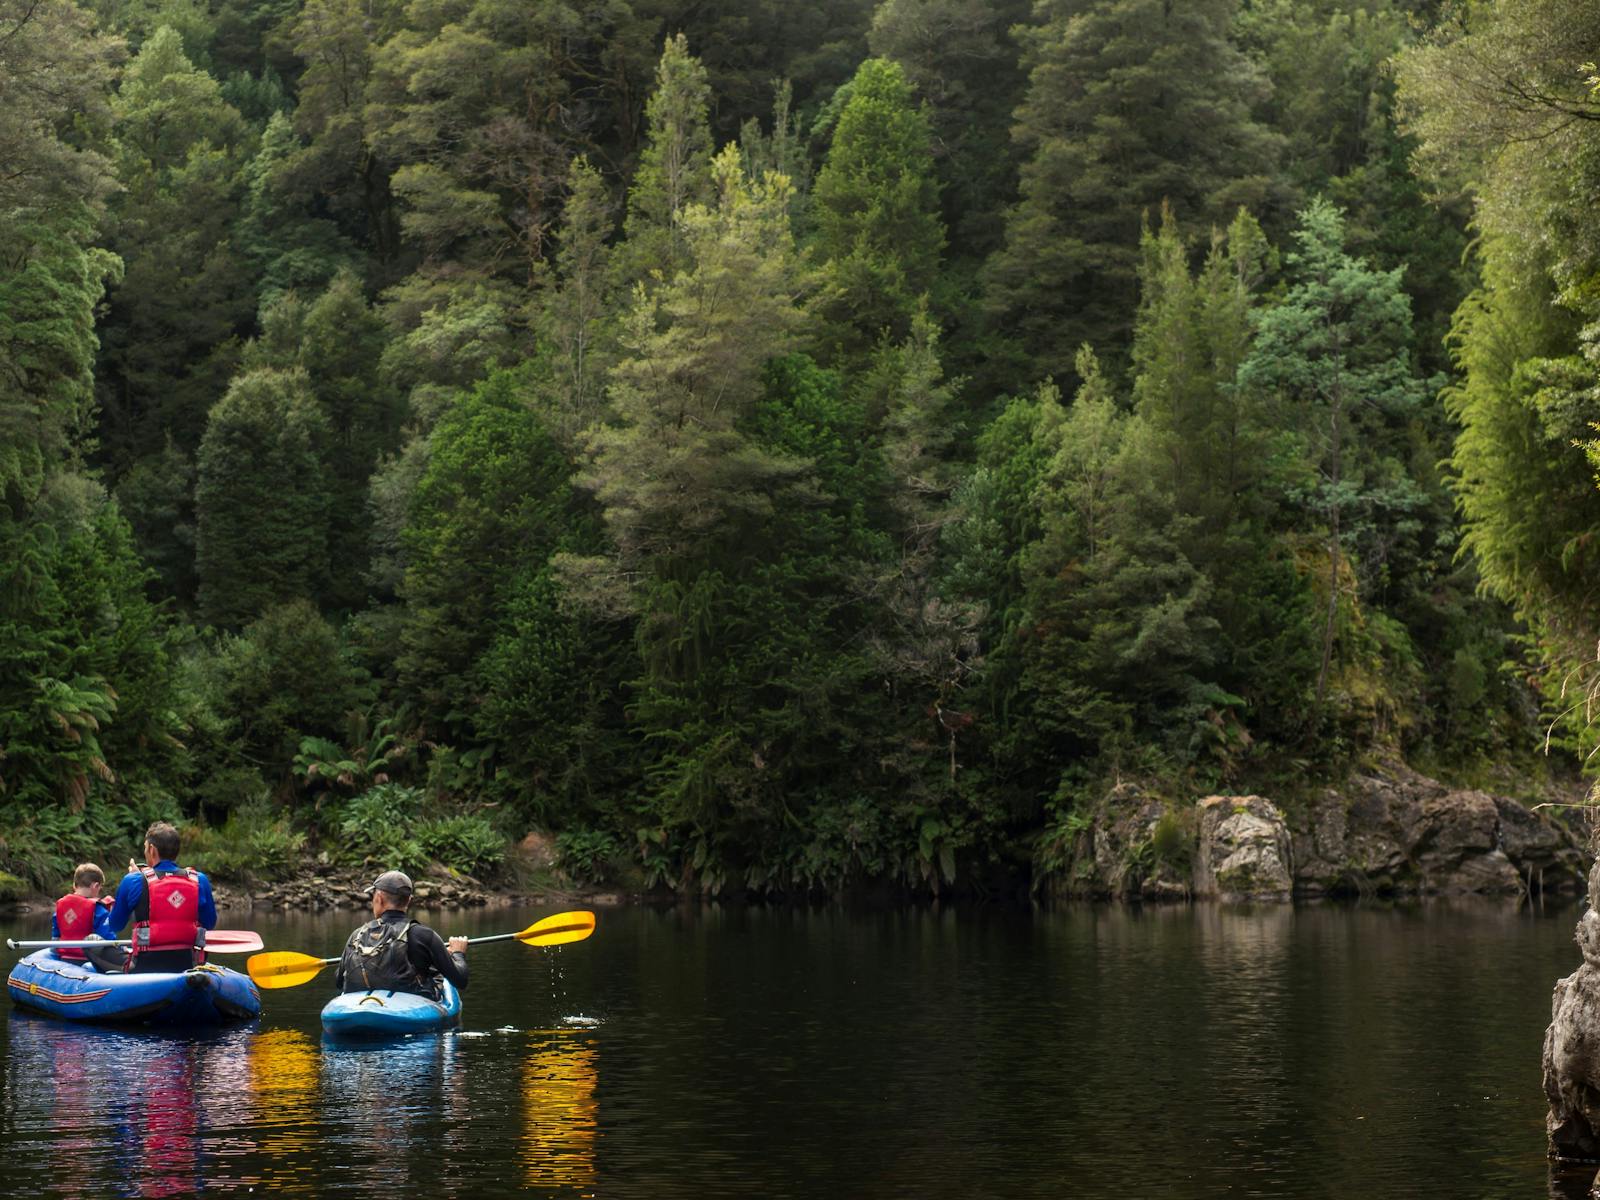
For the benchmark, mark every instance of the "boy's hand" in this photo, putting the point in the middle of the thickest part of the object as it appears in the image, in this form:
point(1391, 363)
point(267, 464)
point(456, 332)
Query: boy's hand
point(133, 867)
point(108, 901)
point(458, 945)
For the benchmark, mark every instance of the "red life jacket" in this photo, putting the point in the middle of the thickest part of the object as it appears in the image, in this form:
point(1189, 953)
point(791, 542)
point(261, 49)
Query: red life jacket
point(168, 915)
point(74, 921)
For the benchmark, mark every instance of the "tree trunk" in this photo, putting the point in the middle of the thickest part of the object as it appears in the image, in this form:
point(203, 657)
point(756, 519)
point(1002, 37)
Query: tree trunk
point(1334, 470)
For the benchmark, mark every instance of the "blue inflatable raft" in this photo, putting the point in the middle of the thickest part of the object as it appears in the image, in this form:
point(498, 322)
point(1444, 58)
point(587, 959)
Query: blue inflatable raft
point(75, 991)
point(389, 1014)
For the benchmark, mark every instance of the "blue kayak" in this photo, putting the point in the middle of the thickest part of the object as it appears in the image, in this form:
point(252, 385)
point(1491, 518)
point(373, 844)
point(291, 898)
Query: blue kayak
point(75, 991)
point(390, 1014)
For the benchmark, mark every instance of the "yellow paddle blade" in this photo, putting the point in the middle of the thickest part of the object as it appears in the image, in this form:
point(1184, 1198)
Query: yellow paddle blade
point(558, 930)
point(284, 968)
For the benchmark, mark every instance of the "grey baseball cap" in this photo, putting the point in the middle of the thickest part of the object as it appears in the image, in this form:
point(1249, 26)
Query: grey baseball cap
point(396, 883)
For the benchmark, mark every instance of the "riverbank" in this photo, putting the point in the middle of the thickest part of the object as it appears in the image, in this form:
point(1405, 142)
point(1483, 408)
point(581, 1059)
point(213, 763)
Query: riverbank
point(1386, 830)
point(321, 888)
point(343, 888)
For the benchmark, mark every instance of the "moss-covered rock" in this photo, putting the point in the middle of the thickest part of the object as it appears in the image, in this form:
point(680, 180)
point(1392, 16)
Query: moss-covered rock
point(1244, 850)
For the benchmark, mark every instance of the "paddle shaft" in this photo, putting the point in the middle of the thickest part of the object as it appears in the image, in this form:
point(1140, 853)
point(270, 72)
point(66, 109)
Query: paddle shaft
point(220, 941)
point(520, 935)
point(314, 965)
point(282, 969)
point(498, 937)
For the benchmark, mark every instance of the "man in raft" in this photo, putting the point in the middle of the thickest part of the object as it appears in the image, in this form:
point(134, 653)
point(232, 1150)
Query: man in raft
point(171, 907)
point(392, 952)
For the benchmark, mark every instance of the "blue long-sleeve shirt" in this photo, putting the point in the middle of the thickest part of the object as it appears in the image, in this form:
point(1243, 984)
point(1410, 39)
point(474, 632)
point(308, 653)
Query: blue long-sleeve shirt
point(132, 887)
point(101, 913)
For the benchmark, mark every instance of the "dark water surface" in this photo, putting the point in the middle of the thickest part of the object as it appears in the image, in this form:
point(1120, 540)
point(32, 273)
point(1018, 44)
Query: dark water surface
point(1088, 1051)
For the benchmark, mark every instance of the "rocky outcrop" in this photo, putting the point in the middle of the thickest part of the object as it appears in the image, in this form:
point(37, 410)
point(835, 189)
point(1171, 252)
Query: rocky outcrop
point(311, 892)
point(1572, 1048)
point(321, 887)
point(1384, 832)
point(1401, 832)
point(1244, 852)
point(1122, 855)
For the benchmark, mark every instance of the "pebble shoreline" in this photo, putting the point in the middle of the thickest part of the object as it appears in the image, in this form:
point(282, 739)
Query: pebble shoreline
point(346, 890)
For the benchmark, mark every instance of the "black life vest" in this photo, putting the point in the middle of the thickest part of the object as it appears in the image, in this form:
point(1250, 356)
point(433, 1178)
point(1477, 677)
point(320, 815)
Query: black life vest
point(377, 958)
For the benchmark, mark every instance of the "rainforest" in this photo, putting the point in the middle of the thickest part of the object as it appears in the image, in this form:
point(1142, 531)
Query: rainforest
point(769, 449)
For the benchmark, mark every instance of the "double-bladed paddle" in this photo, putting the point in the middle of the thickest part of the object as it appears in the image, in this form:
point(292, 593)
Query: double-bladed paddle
point(286, 969)
point(218, 941)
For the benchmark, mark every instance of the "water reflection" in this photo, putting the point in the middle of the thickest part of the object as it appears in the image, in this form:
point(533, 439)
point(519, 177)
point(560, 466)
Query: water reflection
point(165, 1121)
point(285, 1088)
point(158, 1103)
point(1570, 1181)
point(375, 1093)
point(76, 1138)
point(1194, 1051)
point(559, 1114)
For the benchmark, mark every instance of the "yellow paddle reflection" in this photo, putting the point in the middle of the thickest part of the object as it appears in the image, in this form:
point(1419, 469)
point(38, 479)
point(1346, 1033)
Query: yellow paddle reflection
point(285, 1084)
point(559, 1114)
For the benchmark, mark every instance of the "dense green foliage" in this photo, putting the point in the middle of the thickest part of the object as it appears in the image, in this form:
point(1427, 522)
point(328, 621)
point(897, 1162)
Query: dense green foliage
point(779, 447)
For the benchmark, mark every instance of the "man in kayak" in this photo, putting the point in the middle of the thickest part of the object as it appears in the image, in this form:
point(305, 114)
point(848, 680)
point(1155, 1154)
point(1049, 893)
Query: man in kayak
point(392, 952)
point(171, 907)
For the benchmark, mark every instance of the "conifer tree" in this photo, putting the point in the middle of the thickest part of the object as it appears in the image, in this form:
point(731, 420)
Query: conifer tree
point(673, 467)
point(338, 342)
point(674, 167)
point(1191, 334)
point(1218, 469)
point(262, 498)
point(167, 346)
point(715, 480)
point(337, 41)
point(927, 644)
point(1120, 617)
point(288, 245)
point(1130, 103)
point(782, 151)
point(490, 507)
point(960, 57)
point(876, 209)
point(577, 317)
point(1336, 355)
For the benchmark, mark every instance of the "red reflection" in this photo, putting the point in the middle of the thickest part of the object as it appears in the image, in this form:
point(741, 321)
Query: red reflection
point(166, 1122)
point(70, 1080)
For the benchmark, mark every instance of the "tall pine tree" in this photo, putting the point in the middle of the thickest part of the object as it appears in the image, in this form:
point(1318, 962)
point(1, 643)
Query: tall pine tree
point(1130, 104)
point(876, 209)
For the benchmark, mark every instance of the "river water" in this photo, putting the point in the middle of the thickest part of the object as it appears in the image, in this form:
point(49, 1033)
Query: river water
point(1082, 1051)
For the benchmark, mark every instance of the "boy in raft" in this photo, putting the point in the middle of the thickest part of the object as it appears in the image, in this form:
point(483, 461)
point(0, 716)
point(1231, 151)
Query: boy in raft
point(82, 912)
point(392, 952)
